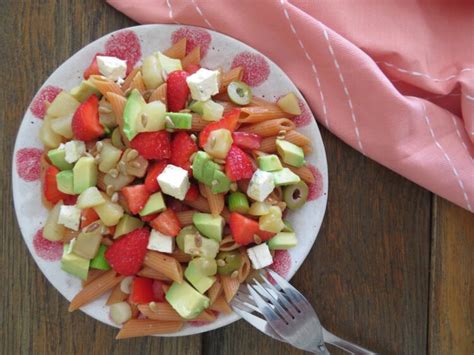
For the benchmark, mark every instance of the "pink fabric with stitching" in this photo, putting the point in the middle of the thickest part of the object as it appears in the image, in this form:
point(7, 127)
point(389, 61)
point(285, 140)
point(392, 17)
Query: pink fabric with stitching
point(394, 79)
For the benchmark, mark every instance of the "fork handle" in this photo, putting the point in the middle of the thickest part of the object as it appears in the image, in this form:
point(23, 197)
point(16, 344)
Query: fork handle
point(345, 345)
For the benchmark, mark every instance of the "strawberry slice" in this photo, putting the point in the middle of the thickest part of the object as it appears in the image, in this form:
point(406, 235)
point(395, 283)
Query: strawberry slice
point(151, 182)
point(182, 147)
point(238, 165)
point(246, 140)
point(126, 254)
point(229, 121)
point(150, 217)
point(142, 290)
point(192, 194)
point(177, 90)
point(88, 216)
point(50, 186)
point(93, 68)
point(152, 145)
point(136, 197)
point(85, 122)
point(244, 229)
point(167, 223)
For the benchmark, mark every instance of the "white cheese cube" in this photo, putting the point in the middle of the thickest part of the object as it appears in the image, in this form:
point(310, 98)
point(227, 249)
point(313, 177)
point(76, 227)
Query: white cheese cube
point(260, 256)
point(203, 84)
point(70, 217)
point(174, 181)
point(112, 68)
point(74, 150)
point(261, 185)
point(160, 242)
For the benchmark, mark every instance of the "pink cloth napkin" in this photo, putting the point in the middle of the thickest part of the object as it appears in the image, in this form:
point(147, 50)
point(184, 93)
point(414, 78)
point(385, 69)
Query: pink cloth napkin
point(394, 79)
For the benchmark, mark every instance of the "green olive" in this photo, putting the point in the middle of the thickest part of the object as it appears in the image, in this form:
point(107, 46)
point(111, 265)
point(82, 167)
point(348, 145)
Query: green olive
point(295, 195)
point(228, 262)
point(239, 93)
point(182, 233)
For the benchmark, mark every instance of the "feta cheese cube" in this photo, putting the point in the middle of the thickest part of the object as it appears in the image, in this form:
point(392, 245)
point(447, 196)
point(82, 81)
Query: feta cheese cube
point(174, 181)
point(74, 150)
point(261, 185)
point(160, 242)
point(70, 217)
point(203, 84)
point(260, 256)
point(112, 68)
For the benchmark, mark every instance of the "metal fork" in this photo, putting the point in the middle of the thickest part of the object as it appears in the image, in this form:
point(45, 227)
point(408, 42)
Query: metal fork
point(289, 317)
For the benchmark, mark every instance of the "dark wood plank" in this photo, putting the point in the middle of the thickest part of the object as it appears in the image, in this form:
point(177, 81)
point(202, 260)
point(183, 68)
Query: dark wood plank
point(451, 318)
point(36, 37)
point(367, 275)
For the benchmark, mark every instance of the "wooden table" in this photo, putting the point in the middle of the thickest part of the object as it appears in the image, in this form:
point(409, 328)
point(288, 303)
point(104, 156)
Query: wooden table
point(391, 268)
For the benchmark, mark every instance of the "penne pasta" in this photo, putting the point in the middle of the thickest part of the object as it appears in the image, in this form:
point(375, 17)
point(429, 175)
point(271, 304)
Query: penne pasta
point(228, 106)
point(269, 128)
point(216, 201)
point(128, 80)
point(164, 312)
point(117, 103)
point(303, 172)
point(194, 57)
point(234, 74)
point(215, 291)
point(137, 83)
point(245, 267)
point(268, 145)
point(177, 50)
point(199, 204)
point(255, 114)
point(95, 288)
point(159, 94)
point(230, 285)
point(134, 308)
point(197, 123)
point(185, 217)
point(105, 85)
point(92, 275)
point(297, 138)
point(153, 274)
point(143, 327)
point(117, 295)
point(221, 305)
point(181, 256)
point(167, 265)
point(228, 243)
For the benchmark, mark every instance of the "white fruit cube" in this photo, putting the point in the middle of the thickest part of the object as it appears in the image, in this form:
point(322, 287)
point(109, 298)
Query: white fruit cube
point(112, 68)
point(260, 256)
point(74, 150)
point(261, 185)
point(160, 242)
point(174, 181)
point(70, 217)
point(203, 84)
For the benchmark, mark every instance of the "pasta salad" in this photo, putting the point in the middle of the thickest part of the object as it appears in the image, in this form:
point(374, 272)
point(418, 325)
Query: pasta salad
point(168, 185)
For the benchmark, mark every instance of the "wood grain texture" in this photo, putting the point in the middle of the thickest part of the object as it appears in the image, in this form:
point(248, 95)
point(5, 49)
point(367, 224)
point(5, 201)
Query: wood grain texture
point(451, 328)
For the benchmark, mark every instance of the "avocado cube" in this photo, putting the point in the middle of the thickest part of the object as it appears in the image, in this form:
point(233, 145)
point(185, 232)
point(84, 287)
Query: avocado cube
point(65, 182)
point(283, 241)
point(84, 90)
point(290, 153)
point(209, 225)
point(126, 225)
point(86, 245)
point(74, 264)
point(178, 120)
point(185, 300)
point(85, 174)
point(208, 172)
point(200, 160)
point(191, 230)
point(200, 281)
point(269, 163)
point(208, 248)
point(155, 203)
point(212, 111)
point(220, 182)
point(131, 112)
point(58, 158)
point(285, 177)
point(100, 262)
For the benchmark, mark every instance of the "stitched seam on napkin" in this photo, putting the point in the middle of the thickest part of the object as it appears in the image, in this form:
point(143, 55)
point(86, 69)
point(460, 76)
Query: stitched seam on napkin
point(420, 74)
point(170, 12)
point(198, 9)
point(458, 132)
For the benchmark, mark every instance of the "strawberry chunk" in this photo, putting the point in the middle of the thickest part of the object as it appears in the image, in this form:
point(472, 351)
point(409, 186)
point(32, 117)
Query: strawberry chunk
point(238, 165)
point(177, 90)
point(167, 223)
point(126, 254)
point(142, 290)
point(88, 216)
point(152, 145)
point(85, 122)
point(93, 68)
point(151, 182)
point(136, 197)
point(246, 140)
point(50, 186)
point(192, 194)
point(182, 147)
point(150, 217)
point(158, 290)
point(229, 121)
point(244, 229)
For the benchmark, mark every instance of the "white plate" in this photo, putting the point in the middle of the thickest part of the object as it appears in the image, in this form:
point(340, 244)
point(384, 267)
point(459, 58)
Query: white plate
point(268, 80)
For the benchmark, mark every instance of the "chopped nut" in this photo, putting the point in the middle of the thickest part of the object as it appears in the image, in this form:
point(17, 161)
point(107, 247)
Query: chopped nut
point(91, 227)
point(122, 167)
point(97, 158)
point(131, 155)
point(125, 284)
point(115, 197)
point(281, 134)
point(153, 306)
point(169, 122)
point(169, 130)
point(109, 190)
point(214, 183)
point(235, 274)
point(234, 187)
point(113, 172)
point(257, 239)
point(220, 262)
point(198, 240)
point(144, 119)
point(135, 164)
point(193, 137)
point(104, 230)
point(213, 141)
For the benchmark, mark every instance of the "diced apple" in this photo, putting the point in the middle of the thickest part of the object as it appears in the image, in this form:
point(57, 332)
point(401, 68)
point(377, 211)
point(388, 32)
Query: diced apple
point(151, 72)
point(152, 117)
point(62, 126)
point(219, 143)
point(122, 180)
point(63, 105)
point(52, 230)
point(109, 212)
point(90, 197)
point(109, 156)
point(290, 104)
point(212, 111)
point(47, 136)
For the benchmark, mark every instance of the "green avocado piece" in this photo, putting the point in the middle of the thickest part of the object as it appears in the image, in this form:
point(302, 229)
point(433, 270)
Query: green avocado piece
point(196, 106)
point(178, 120)
point(208, 172)
point(199, 162)
point(86, 245)
point(100, 262)
point(65, 181)
point(208, 248)
point(209, 225)
point(220, 182)
point(57, 157)
point(285, 177)
point(200, 281)
point(269, 163)
point(84, 90)
point(85, 174)
point(283, 241)
point(290, 153)
point(155, 203)
point(185, 300)
point(74, 264)
point(126, 225)
point(191, 230)
point(133, 108)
